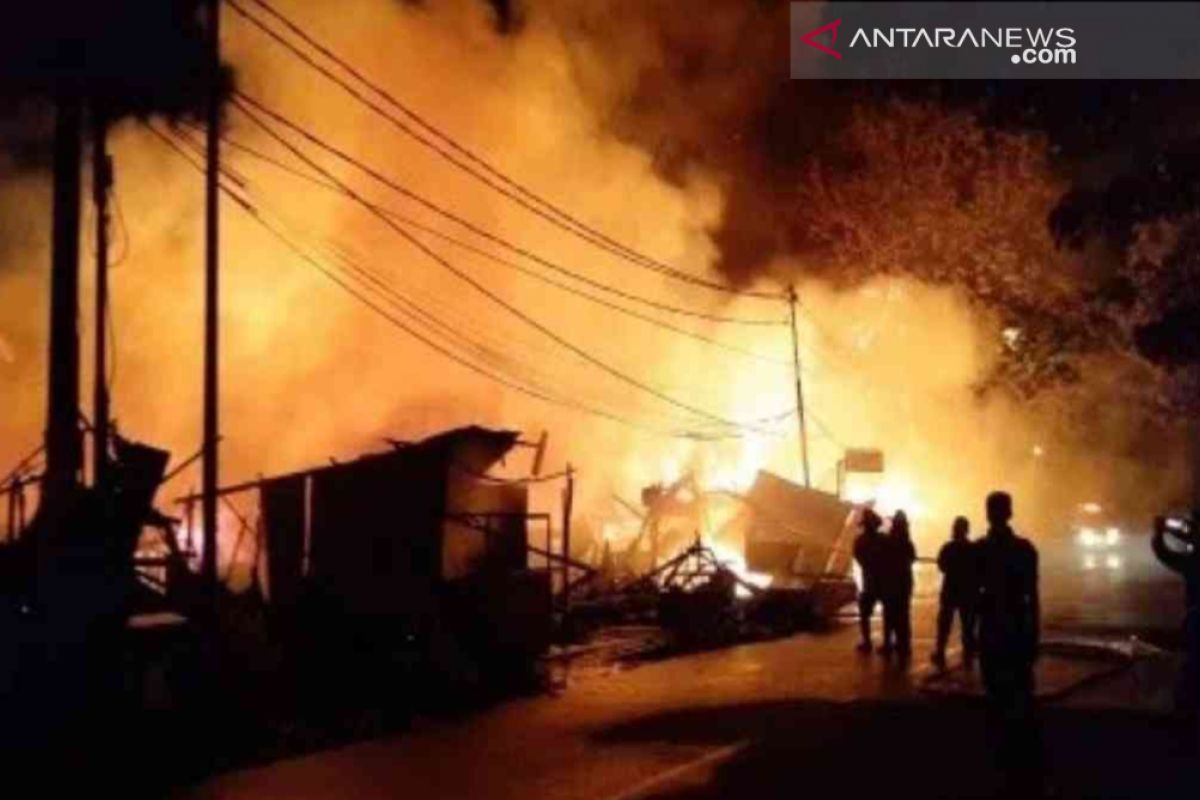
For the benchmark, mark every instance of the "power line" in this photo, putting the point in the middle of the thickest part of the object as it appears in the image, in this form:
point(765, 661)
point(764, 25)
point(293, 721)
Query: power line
point(439, 348)
point(387, 289)
point(333, 184)
point(510, 264)
point(403, 326)
point(395, 297)
point(515, 384)
point(404, 191)
point(482, 289)
point(449, 147)
point(401, 218)
point(381, 286)
point(454, 331)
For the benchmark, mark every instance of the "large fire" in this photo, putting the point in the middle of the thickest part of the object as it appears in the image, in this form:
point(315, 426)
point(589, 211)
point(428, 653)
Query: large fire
point(886, 493)
point(309, 372)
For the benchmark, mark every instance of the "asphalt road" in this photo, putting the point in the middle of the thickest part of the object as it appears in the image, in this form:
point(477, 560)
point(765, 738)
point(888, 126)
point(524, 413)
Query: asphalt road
point(791, 717)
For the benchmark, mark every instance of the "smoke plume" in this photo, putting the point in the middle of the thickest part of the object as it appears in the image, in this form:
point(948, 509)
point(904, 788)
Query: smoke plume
point(677, 134)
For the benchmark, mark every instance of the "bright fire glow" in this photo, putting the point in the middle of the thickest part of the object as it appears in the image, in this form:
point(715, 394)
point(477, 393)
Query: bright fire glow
point(888, 494)
point(735, 562)
point(738, 474)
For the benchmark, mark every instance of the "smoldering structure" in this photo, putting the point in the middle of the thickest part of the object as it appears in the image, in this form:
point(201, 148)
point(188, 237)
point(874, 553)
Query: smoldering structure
point(413, 549)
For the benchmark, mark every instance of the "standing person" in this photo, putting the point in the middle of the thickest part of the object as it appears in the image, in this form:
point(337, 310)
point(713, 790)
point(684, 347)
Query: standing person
point(1009, 630)
point(899, 555)
point(956, 560)
point(1184, 559)
point(867, 551)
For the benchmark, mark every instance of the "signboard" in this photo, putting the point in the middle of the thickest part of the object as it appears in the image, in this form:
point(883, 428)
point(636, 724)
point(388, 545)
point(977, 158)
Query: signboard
point(859, 460)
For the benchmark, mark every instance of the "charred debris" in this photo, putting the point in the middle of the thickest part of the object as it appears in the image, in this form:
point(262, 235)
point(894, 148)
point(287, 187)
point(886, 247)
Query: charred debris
point(419, 555)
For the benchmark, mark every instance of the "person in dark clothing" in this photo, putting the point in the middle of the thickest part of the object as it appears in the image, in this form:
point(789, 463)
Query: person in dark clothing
point(956, 560)
point(867, 551)
point(898, 556)
point(1184, 559)
point(1009, 613)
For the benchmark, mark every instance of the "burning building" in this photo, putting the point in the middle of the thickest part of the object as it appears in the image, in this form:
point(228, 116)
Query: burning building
point(418, 539)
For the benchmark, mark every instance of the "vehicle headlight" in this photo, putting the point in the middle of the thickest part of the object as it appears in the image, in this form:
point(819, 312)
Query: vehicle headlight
point(1112, 536)
point(1088, 537)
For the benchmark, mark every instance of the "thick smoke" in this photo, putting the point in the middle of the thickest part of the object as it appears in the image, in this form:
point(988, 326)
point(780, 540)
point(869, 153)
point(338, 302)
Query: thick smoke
point(715, 95)
point(677, 134)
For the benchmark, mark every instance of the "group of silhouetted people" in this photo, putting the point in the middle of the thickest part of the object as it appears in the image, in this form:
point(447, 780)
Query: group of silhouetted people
point(989, 585)
point(886, 562)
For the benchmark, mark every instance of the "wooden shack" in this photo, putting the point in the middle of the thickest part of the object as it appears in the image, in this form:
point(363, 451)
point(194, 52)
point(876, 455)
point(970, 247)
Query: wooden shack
point(417, 538)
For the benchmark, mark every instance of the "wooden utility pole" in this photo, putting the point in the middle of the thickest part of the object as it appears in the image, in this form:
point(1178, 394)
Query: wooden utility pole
point(101, 184)
point(793, 302)
point(210, 472)
point(64, 446)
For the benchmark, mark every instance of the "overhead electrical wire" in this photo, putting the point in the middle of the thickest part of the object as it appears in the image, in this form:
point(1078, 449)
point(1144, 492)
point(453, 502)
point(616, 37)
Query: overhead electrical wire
point(445, 213)
point(505, 186)
point(513, 265)
point(330, 183)
point(448, 148)
point(333, 184)
point(379, 286)
point(479, 286)
point(454, 332)
point(428, 341)
point(457, 329)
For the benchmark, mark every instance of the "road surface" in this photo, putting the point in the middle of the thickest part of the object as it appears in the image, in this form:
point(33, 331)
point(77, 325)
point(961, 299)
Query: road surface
point(799, 716)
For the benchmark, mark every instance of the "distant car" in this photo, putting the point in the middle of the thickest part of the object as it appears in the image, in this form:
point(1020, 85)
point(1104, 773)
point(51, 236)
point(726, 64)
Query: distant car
point(1100, 540)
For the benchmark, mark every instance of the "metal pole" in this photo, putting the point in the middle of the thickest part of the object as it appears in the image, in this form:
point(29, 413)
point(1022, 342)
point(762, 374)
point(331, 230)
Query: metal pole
point(568, 507)
point(64, 451)
point(793, 302)
point(101, 184)
point(210, 471)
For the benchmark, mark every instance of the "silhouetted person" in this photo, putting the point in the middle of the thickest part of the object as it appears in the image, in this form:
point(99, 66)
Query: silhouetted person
point(960, 585)
point(1184, 559)
point(897, 587)
point(867, 552)
point(1009, 630)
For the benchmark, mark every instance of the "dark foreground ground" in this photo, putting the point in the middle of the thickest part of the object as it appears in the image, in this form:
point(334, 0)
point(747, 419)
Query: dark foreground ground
point(803, 716)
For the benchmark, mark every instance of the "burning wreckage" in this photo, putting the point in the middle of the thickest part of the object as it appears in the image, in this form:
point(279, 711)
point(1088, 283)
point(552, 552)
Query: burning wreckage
point(422, 541)
point(395, 569)
point(772, 560)
point(416, 566)
point(415, 555)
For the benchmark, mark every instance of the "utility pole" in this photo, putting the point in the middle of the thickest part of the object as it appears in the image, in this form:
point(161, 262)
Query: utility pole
point(101, 184)
point(210, 471)
point(568, 510)
point(64, 445)
point(793, 302)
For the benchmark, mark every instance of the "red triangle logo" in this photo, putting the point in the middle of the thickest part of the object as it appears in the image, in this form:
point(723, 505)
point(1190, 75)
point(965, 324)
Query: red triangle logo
point(810, 38)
